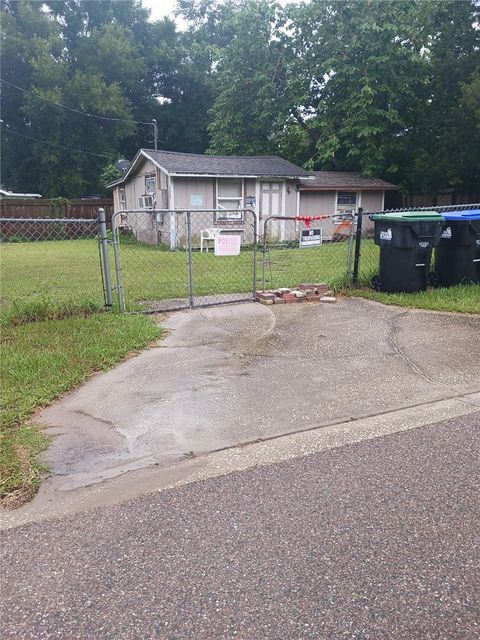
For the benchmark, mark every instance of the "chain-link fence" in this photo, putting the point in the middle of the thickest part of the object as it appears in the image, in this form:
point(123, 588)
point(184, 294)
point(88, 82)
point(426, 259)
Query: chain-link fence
point(369, 252)
point(307, 249)
point(169, 259)
point(162, 260)
point(49, 268)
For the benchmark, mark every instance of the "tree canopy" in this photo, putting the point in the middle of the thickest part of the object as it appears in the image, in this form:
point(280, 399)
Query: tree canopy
point(386, 87)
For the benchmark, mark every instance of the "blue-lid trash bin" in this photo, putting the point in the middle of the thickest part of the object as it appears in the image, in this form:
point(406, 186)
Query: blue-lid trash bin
point(457, 257)
point(406, 240)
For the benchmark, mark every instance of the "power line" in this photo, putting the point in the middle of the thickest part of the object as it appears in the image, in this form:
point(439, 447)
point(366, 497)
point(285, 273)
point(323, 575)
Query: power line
point(82, 113)
point(52, 144)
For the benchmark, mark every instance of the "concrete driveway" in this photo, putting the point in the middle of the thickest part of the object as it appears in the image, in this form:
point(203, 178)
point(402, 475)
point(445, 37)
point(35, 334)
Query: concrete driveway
point(229, 375)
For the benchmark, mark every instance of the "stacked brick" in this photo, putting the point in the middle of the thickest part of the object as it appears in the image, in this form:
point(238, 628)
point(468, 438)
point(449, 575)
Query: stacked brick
point(305, 292)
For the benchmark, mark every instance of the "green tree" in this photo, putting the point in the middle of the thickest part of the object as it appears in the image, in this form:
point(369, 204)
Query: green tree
point(252, 90)
point(471, 95)
point(104, 58)
point(442, 149)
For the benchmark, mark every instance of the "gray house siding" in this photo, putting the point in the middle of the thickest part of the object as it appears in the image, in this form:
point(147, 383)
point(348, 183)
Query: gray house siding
point(204, 190)
point(185, 188)
point(314, 203)
point(371, 201)
point(319, 203)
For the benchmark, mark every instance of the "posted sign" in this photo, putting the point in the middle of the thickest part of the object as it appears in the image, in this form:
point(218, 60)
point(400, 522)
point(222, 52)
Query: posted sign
point(227, 245)
point(311, 237)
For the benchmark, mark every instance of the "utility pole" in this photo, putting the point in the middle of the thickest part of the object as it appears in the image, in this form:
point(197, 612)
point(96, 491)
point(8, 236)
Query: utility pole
point(155, 133)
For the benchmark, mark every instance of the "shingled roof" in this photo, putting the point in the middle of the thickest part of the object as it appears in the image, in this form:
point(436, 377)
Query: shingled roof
point(328, 180)
point(198, 164)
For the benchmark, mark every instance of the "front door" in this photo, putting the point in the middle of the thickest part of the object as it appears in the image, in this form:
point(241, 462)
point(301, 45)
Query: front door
point(271, 205)
point(270, 199)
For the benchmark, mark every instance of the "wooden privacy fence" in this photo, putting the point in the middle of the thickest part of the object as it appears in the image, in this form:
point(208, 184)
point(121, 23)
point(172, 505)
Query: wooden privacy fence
point(42, 208)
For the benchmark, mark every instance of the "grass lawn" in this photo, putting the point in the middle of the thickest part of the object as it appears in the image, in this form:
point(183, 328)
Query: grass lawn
point(462, 298)
point(40, 362)
point(49, 279)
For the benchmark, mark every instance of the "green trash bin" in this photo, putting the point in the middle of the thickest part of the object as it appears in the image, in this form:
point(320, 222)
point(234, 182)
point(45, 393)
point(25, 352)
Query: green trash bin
point(406, 240)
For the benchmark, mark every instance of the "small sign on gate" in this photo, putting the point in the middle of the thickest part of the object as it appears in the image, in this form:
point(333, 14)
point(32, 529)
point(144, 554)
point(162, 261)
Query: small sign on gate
point(311, 237)
point(227, 244)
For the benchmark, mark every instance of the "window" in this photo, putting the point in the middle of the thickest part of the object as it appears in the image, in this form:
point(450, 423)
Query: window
point(150, 184)
point(145, 202)
point(229, 196)
point(122, 199)
point(347, 197)
point(346, 202)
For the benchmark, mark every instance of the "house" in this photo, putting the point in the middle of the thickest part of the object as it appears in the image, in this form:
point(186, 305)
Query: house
point(157, 180)
point(186, 181)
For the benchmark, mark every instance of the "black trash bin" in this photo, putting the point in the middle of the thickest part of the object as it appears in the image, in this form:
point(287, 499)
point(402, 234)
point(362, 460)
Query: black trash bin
point(406, 240)
point(457, 257)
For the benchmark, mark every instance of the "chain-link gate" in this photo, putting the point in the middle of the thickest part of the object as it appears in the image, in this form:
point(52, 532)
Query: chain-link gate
point(175, 259)
point(307, 249)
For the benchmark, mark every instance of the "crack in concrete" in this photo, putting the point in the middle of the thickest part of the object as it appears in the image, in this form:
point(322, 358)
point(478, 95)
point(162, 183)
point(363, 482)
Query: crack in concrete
point(393, 340)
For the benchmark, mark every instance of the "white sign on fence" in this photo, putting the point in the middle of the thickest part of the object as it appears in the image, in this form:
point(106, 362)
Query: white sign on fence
point(227, 245)
point(311, 237)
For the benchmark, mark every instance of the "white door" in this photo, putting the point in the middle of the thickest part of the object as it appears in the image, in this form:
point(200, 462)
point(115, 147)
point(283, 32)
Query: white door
point(271, 205)
point(270, 199)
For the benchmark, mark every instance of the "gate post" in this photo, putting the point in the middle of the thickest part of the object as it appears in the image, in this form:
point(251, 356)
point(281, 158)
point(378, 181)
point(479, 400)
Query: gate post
point(190, 265)
point(118, 268)
point(105, 258)
point(358, 240)
point(264, 253)
point(254, 288)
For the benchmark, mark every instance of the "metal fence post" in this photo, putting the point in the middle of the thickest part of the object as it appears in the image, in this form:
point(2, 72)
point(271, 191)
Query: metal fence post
point(106, 260)
point(118, 268)
point(358, 241)
point(190, 265)
point(264, 251)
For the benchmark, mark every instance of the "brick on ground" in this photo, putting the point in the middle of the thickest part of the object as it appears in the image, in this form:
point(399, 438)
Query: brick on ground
point(306, 286)
point(264, 295)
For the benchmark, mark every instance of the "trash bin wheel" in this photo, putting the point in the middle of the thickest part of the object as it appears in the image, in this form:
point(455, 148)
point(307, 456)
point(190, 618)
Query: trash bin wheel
point(376, 283)
point(434, 280)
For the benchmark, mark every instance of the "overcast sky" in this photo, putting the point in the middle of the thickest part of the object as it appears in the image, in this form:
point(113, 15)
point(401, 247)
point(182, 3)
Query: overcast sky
point(161, 8)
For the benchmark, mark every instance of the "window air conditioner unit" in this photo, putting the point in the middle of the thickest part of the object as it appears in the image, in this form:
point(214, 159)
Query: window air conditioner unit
point(146, 202)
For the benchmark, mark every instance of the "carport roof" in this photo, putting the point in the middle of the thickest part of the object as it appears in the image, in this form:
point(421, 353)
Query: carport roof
point(335, 180)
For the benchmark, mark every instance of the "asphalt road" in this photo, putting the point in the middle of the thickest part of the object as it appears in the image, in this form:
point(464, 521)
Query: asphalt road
point(375, 540)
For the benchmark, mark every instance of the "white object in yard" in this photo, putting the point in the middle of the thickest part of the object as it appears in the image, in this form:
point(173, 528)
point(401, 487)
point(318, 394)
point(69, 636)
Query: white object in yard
point(227, 245)
point(206, 235)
